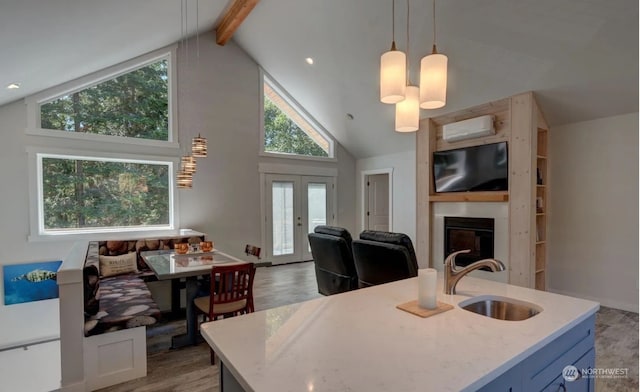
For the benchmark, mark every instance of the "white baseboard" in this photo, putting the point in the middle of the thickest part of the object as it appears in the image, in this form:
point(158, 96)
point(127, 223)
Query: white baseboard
point(629, 307)
point(77, 387)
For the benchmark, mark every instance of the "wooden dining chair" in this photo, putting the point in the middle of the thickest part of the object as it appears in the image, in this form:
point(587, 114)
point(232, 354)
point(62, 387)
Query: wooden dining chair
point(231, 293)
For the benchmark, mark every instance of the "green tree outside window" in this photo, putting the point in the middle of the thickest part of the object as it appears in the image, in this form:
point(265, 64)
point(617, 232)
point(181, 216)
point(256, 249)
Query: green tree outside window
point(282, 135)
point(133, 105)
point(79, 194)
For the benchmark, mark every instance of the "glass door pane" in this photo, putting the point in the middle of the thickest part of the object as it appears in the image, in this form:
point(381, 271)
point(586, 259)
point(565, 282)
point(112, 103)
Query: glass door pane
point(317, 202)
point(283, 221)
point(316, 208)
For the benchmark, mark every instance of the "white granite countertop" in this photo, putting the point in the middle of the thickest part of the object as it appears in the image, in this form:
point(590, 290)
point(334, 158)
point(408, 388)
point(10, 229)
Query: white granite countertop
point(359, 341)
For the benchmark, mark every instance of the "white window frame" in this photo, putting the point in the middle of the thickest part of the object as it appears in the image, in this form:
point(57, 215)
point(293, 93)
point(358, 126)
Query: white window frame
point(34, 102)
point(36, 219)
point(266, 78)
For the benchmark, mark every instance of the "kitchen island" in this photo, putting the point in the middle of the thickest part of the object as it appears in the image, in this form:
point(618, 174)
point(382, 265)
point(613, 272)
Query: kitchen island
point(360, 341)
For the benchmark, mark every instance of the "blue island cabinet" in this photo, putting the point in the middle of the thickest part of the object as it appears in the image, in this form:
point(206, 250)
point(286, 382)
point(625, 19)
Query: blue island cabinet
point(542, 370)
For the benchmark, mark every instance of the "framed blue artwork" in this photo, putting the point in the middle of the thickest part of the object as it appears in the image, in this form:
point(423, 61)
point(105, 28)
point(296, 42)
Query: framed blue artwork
point(30, 282)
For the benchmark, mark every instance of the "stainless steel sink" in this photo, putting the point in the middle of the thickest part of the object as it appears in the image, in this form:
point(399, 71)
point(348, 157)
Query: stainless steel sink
point(501, 308)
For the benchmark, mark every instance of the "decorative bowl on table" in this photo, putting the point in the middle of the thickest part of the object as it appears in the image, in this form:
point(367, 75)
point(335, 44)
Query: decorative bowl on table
point(181, 248)
point(206, 246)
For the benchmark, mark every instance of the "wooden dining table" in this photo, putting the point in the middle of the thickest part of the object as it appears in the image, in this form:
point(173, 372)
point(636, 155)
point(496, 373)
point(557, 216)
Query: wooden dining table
point(167, 265)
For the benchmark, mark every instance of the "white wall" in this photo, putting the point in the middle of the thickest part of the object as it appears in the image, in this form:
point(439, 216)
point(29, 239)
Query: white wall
point(21, 322)
point(219, 98)
point(593, 220)
point(404, 191)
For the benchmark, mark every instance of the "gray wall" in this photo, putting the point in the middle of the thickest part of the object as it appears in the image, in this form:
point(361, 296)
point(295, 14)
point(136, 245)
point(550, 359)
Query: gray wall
point(219, 98)
point(219, 95)
point(593, 216)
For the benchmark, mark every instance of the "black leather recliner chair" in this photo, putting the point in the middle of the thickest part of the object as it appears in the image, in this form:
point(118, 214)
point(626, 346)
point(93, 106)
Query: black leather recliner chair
point(383, 257)
point(333, 258)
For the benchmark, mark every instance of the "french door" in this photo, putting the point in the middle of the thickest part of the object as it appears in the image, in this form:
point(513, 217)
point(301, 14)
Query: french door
point(295, 205)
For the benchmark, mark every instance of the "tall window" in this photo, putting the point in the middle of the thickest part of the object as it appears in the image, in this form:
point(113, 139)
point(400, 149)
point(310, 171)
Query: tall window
point(290, 130)
point(120, 114)
point(85, 193)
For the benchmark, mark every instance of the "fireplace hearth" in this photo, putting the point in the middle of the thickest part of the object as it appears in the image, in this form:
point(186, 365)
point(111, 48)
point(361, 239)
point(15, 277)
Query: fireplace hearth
point(475, 234)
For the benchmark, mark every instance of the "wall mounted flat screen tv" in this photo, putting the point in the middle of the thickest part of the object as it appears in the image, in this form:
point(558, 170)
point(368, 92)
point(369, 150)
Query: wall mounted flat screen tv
point(471, 169)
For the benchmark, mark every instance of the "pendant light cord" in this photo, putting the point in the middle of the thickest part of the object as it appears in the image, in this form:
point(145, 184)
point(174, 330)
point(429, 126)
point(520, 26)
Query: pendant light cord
point(186, 29)
point(434, 50)
point(182, 23)
point(393, 25)
point(408, 58)
point(197, 30)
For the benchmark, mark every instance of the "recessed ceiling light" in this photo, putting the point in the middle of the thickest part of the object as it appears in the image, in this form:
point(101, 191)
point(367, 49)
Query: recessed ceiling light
point(13, 86)
point(309, 60)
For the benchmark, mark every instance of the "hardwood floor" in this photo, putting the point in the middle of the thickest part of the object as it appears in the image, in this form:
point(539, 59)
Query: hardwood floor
point(188, 369)
point(617, 347)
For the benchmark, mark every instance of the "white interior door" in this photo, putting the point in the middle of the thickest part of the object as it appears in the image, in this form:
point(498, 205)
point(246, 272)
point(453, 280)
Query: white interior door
point(377, 202)
point(295, 206)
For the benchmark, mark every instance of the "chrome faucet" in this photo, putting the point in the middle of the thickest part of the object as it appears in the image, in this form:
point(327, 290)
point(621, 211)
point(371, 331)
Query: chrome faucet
point(452, 275)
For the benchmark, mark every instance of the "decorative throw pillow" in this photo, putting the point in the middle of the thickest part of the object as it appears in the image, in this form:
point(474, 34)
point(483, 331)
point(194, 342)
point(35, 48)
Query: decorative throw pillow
point(118, 265)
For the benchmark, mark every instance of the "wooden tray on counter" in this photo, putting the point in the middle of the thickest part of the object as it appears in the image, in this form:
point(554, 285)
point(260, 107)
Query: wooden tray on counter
point(413, 308)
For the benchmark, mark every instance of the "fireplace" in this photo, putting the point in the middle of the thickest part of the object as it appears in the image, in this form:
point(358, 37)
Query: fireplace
point(475, 234)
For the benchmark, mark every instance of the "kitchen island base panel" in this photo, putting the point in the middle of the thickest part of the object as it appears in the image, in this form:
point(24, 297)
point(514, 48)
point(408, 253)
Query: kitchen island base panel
point(542, 370)
point(228, 383)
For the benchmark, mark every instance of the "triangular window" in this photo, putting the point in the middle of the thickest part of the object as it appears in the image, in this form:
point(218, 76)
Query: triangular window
point(134, 104)
point(290, 130)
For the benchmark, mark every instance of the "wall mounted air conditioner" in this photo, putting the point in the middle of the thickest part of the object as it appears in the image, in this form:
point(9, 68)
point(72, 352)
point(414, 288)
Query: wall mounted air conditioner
point(468, 129)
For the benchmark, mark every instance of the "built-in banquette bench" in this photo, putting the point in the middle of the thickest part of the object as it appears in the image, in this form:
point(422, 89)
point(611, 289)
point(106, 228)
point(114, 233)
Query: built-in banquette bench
point(107, 279)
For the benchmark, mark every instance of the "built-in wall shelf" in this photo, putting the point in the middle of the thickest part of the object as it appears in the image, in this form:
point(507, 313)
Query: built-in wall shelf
point(498, 196)
point(541, 210)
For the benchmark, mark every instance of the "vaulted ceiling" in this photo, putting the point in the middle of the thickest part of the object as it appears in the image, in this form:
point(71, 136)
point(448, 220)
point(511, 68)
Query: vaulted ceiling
point(579, 56)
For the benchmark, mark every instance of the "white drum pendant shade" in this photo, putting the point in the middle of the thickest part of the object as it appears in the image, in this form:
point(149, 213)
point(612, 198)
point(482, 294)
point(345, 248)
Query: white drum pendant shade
point(393, 76)
point(408, 111)
point(433, 81)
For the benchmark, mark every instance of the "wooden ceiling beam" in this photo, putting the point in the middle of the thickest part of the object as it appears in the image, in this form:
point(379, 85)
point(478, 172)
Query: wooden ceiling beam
point(233, 18)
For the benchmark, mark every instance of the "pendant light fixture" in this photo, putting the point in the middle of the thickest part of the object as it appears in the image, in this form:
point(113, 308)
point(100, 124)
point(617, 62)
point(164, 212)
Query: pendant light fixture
point(433, 75)
point(184, 179)
point(393, 68)
point(199, 147)
point(408, 111)
point(188, 164)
